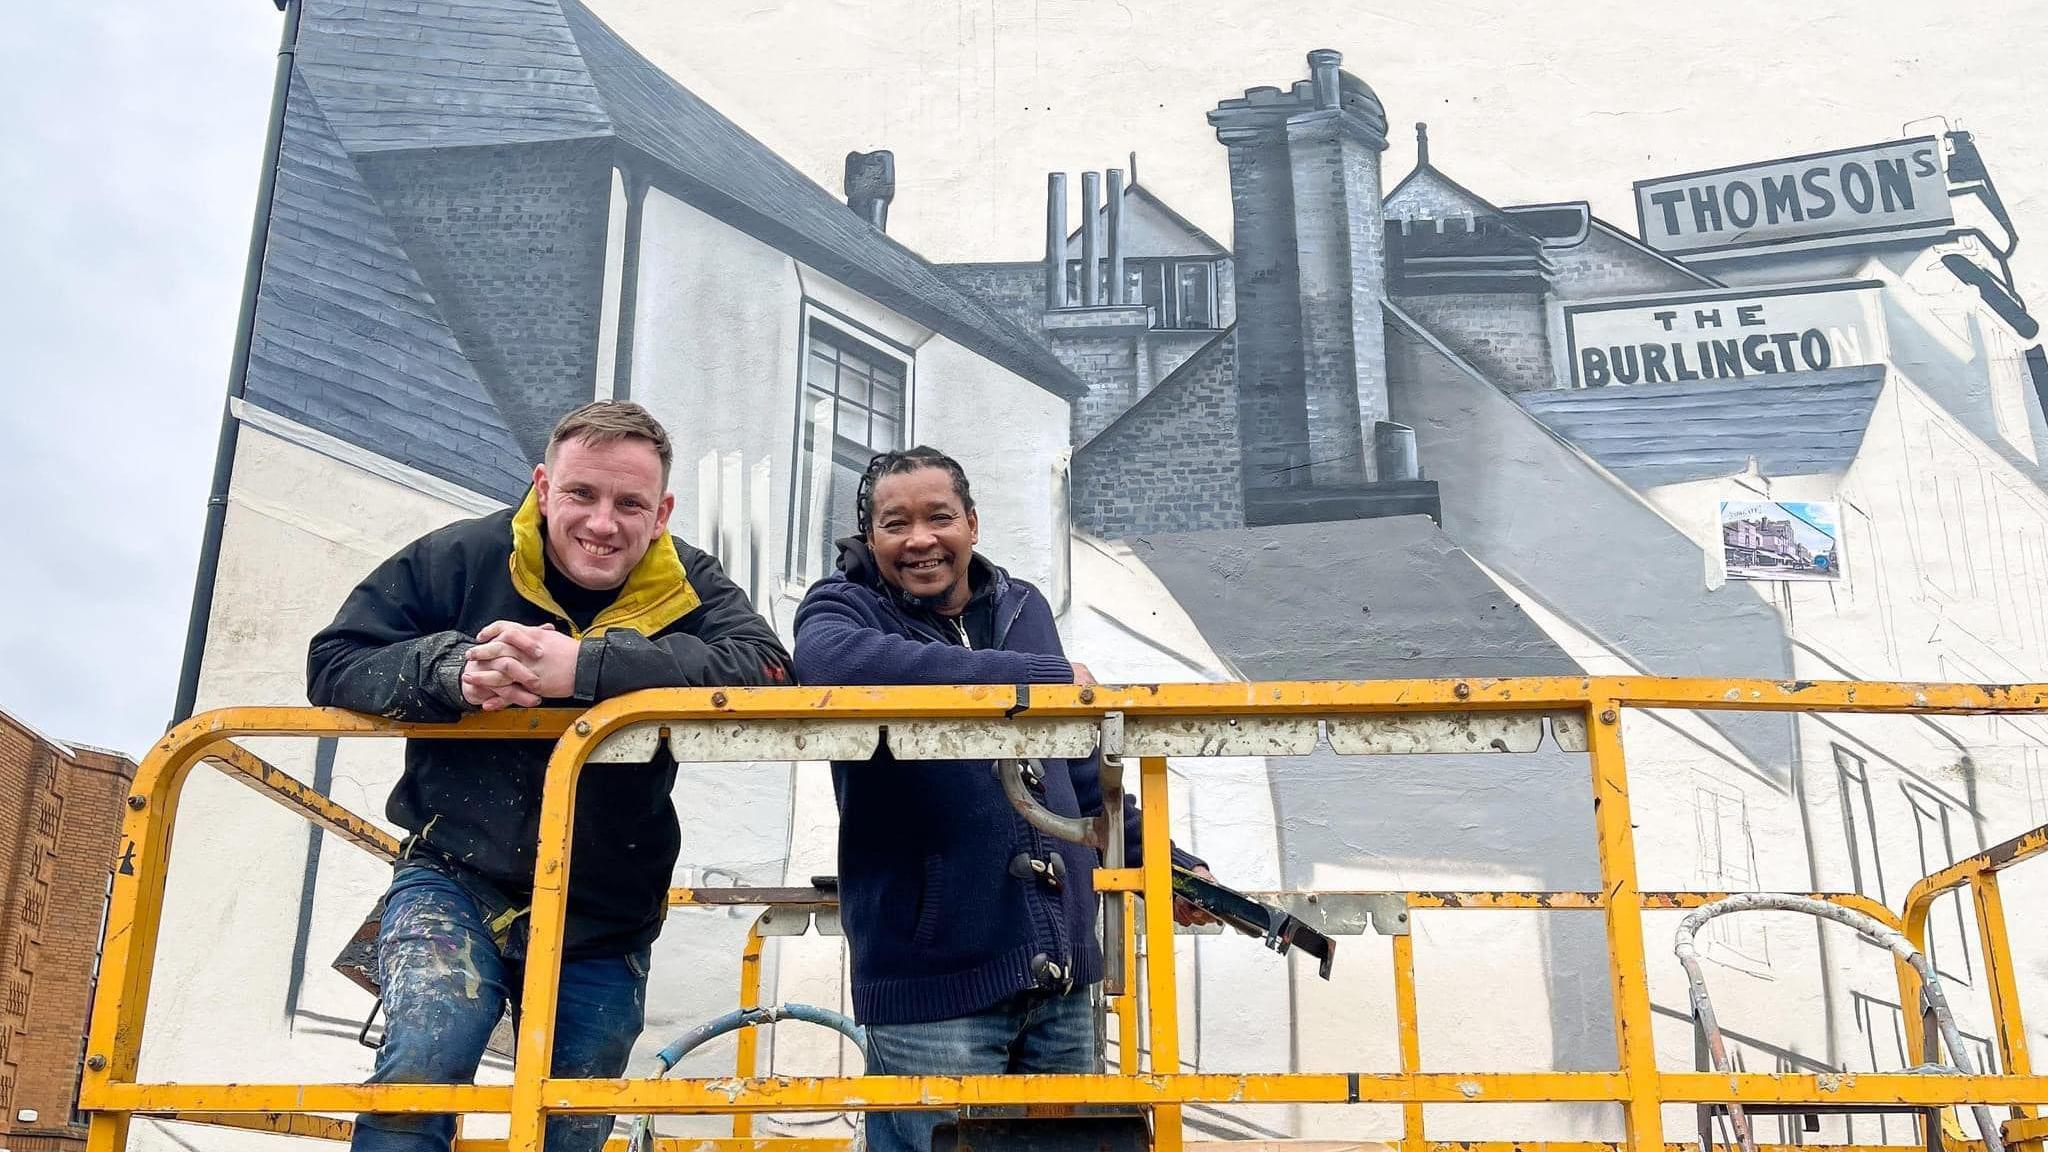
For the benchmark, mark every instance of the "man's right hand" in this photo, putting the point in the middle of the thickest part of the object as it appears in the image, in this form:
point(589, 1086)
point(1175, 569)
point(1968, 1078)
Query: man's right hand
point(499, 670)
point(1082, 675)
point(492, 685)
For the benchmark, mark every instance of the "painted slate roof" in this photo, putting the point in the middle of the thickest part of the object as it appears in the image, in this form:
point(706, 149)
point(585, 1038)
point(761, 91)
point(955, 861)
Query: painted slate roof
point(447, 73)
point(399, 75)
point(1794, 424)
point(1349, 599)
point(347, 338)
point(731, 175)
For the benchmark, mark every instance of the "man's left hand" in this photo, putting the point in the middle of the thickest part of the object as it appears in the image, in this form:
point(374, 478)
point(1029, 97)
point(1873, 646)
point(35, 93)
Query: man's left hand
point(1185, 913)
point(548, 654)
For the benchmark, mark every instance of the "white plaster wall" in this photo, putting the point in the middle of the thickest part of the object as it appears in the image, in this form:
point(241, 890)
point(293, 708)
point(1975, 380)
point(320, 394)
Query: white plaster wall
point(1944, 535)
point(1006, 432)
point(302, 529)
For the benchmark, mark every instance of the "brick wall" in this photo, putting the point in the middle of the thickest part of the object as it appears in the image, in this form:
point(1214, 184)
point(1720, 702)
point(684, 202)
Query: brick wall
point(1606, 265)
point(1501, 334)
point(60, 818)
point(1171, 464)
point(1103, 346)
point(511, 241)
point(1016, 290)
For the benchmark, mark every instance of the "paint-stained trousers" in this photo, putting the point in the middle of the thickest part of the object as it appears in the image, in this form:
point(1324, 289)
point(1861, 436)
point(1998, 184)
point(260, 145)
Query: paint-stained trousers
point(445, 987)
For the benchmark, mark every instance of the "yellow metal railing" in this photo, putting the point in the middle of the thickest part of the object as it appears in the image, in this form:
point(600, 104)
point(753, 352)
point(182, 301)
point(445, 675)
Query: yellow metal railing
point(1156, 722)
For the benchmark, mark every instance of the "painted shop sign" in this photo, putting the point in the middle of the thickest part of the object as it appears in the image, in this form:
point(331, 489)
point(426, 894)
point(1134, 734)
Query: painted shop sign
point(1851, 192)
point(1725, 334)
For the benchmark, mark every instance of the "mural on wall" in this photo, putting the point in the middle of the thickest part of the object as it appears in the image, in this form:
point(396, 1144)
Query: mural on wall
point(1380, 425)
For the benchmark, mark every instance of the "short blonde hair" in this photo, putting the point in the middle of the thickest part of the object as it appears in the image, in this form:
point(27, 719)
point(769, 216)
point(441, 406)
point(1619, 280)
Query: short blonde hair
point(608, 421)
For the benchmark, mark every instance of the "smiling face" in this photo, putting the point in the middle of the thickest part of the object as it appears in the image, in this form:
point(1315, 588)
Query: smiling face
point(604, 505)
point(923, 537)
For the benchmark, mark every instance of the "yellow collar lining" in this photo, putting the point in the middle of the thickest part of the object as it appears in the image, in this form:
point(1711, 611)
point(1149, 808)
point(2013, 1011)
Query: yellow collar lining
point(657, 592)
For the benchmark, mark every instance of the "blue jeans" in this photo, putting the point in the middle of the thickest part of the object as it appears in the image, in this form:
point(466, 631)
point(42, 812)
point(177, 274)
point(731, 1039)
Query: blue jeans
point(445, 988)
point(1029, 1032)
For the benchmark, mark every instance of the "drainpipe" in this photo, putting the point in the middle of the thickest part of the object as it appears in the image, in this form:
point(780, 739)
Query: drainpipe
point(238, 375)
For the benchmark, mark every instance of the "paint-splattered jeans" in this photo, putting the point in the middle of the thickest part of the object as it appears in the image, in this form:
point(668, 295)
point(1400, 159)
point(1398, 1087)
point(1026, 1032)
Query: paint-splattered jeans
point(1029, 1032)
point(445, 986)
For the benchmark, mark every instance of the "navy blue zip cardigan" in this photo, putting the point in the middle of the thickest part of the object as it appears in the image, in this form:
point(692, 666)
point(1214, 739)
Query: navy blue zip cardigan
point(937, 919)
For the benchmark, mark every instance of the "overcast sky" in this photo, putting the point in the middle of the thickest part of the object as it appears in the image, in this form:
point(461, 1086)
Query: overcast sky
point(130, 137)
point(131, 130)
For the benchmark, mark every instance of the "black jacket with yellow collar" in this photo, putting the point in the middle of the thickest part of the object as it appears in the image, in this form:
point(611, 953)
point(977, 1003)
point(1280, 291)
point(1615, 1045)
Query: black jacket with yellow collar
point(396, 649)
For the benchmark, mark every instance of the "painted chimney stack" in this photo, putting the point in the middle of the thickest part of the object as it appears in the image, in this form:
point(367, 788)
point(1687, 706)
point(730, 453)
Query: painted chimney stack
point(1055, 241)
point(871, 185)
point(1091, 239)
point(1310, 277)
point(1113, 211)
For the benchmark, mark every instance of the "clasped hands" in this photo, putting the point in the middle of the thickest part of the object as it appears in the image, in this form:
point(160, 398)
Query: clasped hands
point(518, 666)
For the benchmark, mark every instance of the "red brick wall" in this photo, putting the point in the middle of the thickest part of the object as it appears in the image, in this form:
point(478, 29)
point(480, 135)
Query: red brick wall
point(60, 819)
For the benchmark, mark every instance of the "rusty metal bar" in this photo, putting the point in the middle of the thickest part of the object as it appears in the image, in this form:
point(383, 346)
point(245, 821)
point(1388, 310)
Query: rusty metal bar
point(1626, 963)
point(134, 916)
point(747, 1060)
point(266, 779)
point(1162, 1001)
point(1408, 1027)
point(282, 1123)
point(2006, 1016)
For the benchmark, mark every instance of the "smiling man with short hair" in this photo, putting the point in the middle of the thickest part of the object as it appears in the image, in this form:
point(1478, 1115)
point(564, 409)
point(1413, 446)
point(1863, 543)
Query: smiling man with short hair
point(578, 595)
point(972, 933)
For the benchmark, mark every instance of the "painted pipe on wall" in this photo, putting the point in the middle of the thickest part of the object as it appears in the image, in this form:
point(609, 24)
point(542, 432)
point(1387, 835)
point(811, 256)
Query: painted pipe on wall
point(1055, 240)
point(1113, 209)
point(1091, 239)
point(238, 377)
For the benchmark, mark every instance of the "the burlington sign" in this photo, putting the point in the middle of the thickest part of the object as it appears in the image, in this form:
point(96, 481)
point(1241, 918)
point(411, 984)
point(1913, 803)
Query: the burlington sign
point(1724, 334)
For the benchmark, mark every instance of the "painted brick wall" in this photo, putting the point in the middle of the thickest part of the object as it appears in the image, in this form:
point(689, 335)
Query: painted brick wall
point(1015, 290)
point(60, 818)
point(1606, 265)
point(511, 241)
point(1502, 335)
point(1171, 464)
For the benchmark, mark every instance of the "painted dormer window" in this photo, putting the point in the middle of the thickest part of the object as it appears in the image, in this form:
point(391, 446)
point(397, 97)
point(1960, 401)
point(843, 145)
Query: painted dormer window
point(853, 403)
point(1181, 293)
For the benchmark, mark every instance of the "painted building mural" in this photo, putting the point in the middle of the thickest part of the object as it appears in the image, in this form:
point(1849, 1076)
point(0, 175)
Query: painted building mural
point(1371, 423)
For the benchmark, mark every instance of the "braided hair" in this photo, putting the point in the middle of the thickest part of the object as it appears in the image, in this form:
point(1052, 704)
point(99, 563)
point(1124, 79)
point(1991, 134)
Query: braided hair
point(895, 464)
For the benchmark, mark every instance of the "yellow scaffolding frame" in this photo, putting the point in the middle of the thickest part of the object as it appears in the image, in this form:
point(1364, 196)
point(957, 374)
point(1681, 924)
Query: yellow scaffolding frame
point(112, 1095)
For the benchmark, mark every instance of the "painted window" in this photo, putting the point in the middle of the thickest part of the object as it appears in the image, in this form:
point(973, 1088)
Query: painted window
point(1884, 1045)
point(1727, 862)
point(1947, 947)
point(1859, 824)
point(852, 405)
point(1181, 293)
point(1195, 294)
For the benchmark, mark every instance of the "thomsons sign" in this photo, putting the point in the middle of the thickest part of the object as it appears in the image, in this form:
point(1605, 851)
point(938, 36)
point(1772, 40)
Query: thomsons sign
point(1854, 192)
point(1724, 334)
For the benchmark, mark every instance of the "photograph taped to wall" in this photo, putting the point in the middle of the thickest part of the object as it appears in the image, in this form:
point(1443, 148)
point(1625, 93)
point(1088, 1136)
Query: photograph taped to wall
point(1781, 540)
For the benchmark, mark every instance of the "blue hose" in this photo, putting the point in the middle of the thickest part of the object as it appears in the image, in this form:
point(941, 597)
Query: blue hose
point(641, 1137)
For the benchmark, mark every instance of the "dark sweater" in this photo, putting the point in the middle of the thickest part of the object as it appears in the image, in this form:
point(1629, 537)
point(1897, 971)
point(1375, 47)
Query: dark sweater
point(938, 921)
point(396, 649)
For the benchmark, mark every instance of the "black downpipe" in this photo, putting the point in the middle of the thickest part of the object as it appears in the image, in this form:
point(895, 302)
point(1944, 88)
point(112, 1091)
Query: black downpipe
point(238, 376)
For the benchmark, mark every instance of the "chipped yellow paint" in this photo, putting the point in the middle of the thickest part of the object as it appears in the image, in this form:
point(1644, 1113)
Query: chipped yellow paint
point(109, 1090)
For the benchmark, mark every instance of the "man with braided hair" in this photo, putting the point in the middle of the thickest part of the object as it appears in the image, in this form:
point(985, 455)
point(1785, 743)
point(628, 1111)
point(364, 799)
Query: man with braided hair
point(972, 933)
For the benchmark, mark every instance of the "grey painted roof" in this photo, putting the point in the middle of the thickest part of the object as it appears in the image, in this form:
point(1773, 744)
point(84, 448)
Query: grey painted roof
point(1350, 599)
point(1794, 424)
point(724, 171)
point(446, 73)
point(347, 338)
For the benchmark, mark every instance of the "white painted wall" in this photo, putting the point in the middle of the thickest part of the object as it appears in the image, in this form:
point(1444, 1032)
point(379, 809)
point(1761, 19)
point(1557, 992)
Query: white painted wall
point(302, 529)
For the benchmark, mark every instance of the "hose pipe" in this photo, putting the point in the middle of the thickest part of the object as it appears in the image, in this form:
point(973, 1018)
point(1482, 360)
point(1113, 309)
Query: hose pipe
point(640, 1138)
point(1871, 929)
